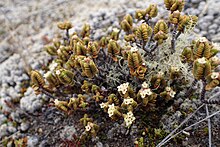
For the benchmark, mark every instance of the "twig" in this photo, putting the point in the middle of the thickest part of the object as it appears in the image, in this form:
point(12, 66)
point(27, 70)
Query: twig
point(164, 142)
point(203, 89)
point(178, 34)
point(168, 137)
point(189, 92)
point(209, 126)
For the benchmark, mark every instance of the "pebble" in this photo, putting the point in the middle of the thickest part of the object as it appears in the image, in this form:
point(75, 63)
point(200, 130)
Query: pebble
point(25, 126)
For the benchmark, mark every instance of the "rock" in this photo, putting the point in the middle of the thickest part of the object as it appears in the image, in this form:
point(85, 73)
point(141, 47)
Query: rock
point(32, 141)
point(3, 130)
point(31, 102)
point(99, 144)
point(11, 129)
point(25, 126)
point(67, 132)
point(3, 119)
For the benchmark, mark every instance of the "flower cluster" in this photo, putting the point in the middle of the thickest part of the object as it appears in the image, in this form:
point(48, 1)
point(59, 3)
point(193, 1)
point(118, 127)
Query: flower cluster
point(128, 101)
point(123, 88)
point(214, 75)
point(129, 119)
point(111, 110)
point(144, 92)
point(202, 60)
point(170, 92)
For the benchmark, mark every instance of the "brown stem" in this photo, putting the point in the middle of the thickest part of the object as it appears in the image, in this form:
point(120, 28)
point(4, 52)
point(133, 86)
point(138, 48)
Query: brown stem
point(202, 97)
point(189, 92)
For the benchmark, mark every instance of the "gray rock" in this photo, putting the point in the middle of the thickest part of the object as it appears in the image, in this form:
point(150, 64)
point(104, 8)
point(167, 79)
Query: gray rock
point(25, 126)
point(3, 119)
point(67, 132)
point(99, 144)
point(11, 129)
point(31, 102)
point(32, 141)
point(3, 130)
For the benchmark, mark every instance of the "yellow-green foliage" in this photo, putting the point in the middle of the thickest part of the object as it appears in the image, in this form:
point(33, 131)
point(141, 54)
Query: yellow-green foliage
point(122, 74)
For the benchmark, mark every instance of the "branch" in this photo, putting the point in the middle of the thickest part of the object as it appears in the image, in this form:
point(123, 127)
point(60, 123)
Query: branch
point(209, 126)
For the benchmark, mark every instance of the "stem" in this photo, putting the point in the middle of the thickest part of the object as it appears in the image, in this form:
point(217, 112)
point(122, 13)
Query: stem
point(178, 34)
point(151, 38)
point(146, 19)
point(154, 47)
point(209, 126)
point(203, 89)
point(173, 41)
point(215, 101)
point(189, 92)
point(46, 93)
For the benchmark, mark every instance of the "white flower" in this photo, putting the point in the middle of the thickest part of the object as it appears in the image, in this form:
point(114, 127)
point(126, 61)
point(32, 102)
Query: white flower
point(172, 93)
point(174, 68)
point(168, 89)
point(129, 119)
point(215, 59)
point(103, 105)
point(115, 30)
point(130, 114)
point(144, 85)
point(131, 100)
point(214, 75)
point(59, 51)
point(112, 106)
point(111, 110)
point(123, 88)
point(56, 102)
point(144, 92)
point(216, 46)
point(134, 49)
point(128, 101)
point(202, 60)
point(160, 73)
point(110, 113)
point(58, 72)
point(202, 39)
point(148, 91)
point(47, 74)
point(53, 65)
point(88, 127)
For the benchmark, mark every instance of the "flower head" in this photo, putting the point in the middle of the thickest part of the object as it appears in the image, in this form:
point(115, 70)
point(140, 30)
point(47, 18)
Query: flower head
point(129, 119)
point(103, 105)
point(56, 102)
point(174, 68)
point(88, 127)
point(202, 60)
point(202, 39)
point(144, 92)
point(128, 101)
point(53, 66)
point(214, 75)
point(58, 72)
point(111, 110)
point(123, 88)
point(172, 93)
point(115, 30)
point(168, 89)
point(215, 59)
point(134, 49)
point(145, 85)
point(47, 74)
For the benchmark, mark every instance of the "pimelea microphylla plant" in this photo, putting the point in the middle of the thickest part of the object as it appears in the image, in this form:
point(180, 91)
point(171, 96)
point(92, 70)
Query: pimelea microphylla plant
point(137, 69)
